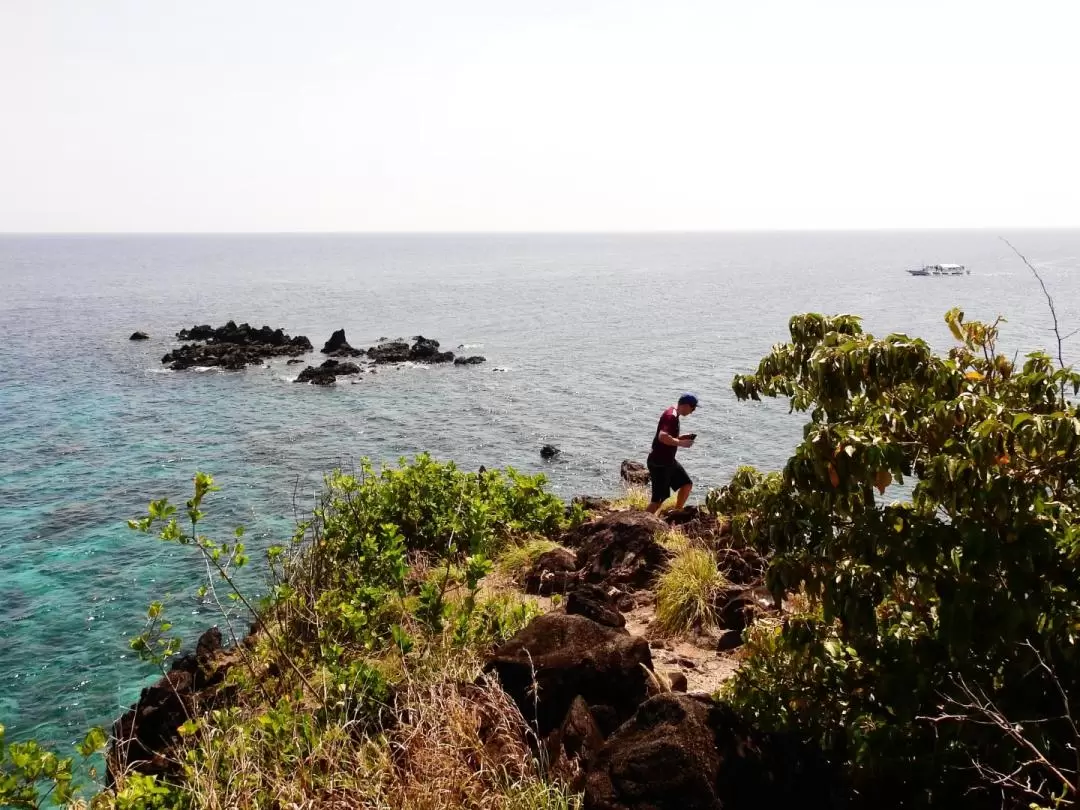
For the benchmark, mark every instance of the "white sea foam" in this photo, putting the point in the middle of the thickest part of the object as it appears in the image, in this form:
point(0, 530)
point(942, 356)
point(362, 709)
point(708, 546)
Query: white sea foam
point(160, 371)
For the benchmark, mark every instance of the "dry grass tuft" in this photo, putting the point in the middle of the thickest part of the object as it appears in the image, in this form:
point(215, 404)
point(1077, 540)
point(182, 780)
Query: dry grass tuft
point(454, 745)
point(635, 498)
point(516, 562)
point(675, 541)
point(686, 593)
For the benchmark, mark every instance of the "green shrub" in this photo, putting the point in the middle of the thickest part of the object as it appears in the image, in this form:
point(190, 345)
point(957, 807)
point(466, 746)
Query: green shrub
point(941, 663)
point(687, 591)
point(33, 777)
point(346, 585)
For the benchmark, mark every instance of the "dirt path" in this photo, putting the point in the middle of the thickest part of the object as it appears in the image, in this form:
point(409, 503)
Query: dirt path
point(705, 668)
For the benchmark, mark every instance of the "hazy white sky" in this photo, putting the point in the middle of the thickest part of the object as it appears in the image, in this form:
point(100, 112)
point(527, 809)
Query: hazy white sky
point(478, 115)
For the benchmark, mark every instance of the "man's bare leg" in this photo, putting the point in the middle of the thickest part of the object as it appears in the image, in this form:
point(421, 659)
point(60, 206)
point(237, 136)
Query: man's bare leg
point(653, 507)
point(684, 493)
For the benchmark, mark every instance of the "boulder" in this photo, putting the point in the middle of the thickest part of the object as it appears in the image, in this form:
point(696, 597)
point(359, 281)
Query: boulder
point(390, 351)
point(594, 602)
point(558, 657)
point(591, 503)
point(327, 373)
point(737, 608)
point(680, 751)
point(294, 361)
point(634, 473)
point(729, 640)
point(472, 360)
point(139, 336)
point(619, 549)
point(146, 734)
point(425, 350)
point(664, 758)
point(578, 738)
point(678, 681)
point(204, 332)
point(338, 367)
point(549, 451)
point(338, 346)
point(553, 572)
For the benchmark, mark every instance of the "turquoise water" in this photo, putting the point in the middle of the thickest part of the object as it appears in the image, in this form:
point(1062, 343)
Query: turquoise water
point(588, 339)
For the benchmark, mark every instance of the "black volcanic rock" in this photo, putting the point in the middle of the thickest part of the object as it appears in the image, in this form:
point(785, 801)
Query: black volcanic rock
point(139, 336)
point(472, 360)
point(426, 350)
point(338, 346)
point(549, 451)
point(204, 332)
point(326, 374)
point(423, 350)
point(233, 347)
point(196, 682)
point(390, 351)
point(558, 657)
point(634, 473)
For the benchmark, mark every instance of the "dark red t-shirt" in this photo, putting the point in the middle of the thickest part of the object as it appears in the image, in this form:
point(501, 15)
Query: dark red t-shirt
point(669, 424)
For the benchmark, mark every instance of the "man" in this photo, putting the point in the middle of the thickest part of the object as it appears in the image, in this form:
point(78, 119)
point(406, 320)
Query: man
point(665, 472)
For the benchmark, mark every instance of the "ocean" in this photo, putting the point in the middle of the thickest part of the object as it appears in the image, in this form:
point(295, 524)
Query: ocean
point(588, 339)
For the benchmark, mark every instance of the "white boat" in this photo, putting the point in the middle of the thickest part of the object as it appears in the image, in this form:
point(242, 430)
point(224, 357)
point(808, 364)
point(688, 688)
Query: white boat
point(941, 270)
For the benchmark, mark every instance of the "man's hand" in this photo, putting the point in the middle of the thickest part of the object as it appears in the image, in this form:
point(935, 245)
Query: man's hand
point(687, 440)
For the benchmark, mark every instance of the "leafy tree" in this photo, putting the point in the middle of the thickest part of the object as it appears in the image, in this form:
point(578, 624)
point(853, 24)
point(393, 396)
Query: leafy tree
point(940, 649)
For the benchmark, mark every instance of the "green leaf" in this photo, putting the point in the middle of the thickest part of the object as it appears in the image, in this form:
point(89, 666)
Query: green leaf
point(93, 742)
point(1020, 418)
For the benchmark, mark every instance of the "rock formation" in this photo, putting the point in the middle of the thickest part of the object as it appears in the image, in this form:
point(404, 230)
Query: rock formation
point(327, 372)
point(338, 346)
point(233, 347)
point(148, 730)
point(634, 473)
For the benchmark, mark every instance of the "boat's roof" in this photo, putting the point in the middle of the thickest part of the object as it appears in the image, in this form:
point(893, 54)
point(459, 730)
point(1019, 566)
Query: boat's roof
point(949, 266)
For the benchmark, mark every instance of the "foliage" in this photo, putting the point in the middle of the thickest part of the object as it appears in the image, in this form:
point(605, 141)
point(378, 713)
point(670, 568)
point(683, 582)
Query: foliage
point(142, 792)
point(348, 583)
point(687, 592)
point(970, 580)
point(381, 592)
point(33, 777)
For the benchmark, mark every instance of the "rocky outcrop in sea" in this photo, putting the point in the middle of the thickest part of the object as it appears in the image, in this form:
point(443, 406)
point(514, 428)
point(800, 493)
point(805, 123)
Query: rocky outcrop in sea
point(233, 347)
point(338, 346)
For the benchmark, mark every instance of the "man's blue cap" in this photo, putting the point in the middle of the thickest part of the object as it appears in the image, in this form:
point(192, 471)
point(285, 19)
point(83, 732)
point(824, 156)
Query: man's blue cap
point(688, 399)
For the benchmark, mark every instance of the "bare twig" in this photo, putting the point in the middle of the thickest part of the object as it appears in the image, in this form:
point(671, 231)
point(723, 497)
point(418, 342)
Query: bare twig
point(1049, 301)
point(975, 707)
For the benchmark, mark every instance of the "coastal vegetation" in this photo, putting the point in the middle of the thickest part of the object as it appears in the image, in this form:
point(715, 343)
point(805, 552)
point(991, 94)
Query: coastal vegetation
point(919, 554)
point(936, 657)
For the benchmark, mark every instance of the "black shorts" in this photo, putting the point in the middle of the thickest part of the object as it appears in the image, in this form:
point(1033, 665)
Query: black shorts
point(667, 478)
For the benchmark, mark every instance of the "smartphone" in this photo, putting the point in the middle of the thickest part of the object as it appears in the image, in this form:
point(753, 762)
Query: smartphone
point(691, 436)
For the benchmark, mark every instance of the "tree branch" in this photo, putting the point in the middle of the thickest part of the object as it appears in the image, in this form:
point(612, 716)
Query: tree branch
point(1049, 300)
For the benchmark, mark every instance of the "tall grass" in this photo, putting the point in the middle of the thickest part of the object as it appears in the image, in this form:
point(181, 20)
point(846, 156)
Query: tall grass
point(686, 593)
point(516, 561)
point(452, 746)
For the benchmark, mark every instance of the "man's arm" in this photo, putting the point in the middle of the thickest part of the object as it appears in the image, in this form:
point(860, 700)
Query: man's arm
point(667, 438)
